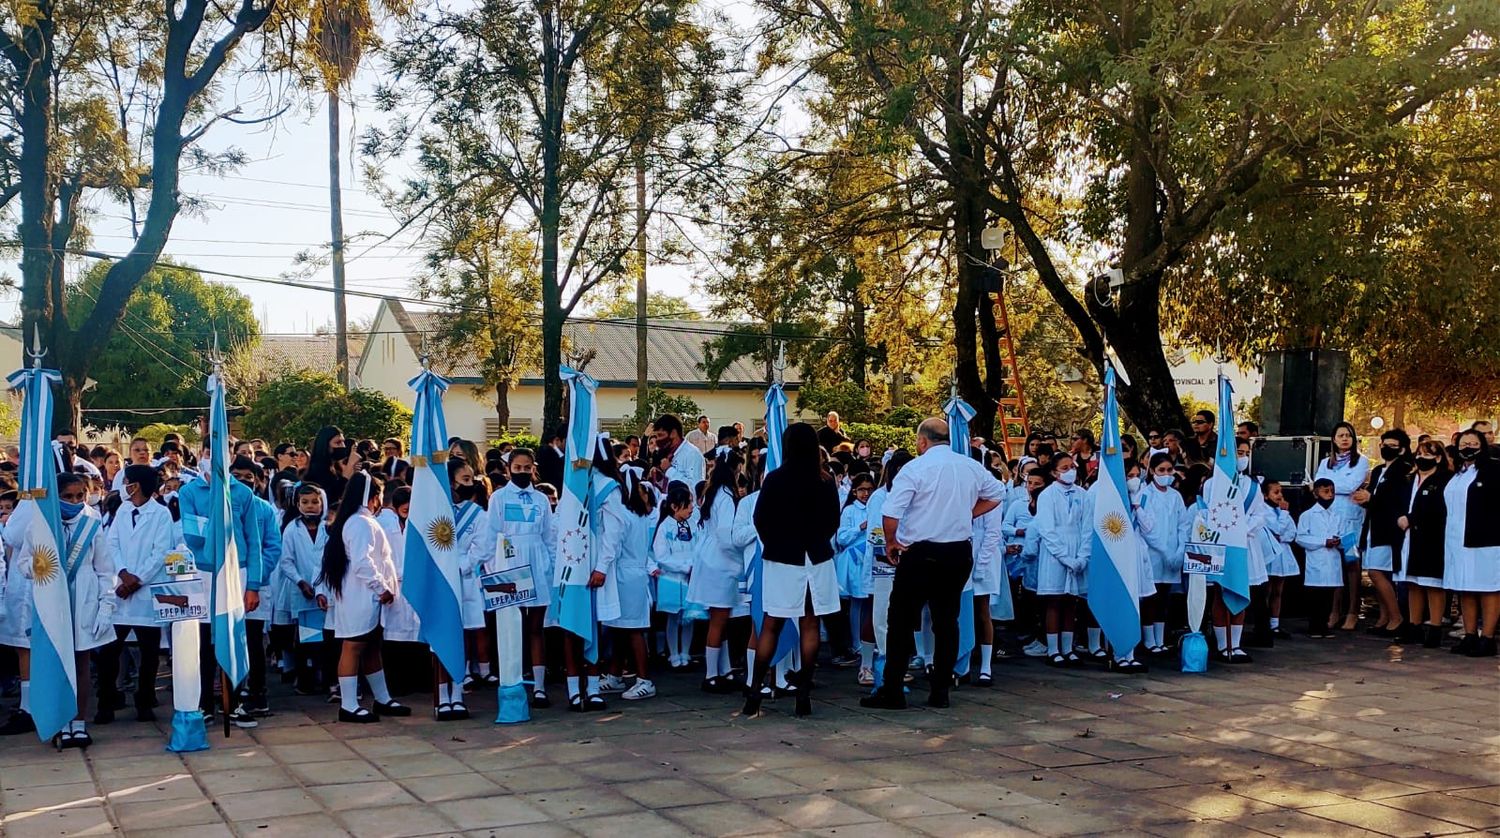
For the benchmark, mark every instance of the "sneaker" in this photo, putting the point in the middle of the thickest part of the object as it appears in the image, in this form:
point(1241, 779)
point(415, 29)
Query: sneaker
point(611, 684)
point(242, 719)
point(256, 705)
point(845, 660)
point(1035, 649)
point(866, 678)
point(642, 688)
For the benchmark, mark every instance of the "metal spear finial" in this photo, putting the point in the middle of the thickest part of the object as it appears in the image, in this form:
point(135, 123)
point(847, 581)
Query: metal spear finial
point(778, 367)
point(36, 352)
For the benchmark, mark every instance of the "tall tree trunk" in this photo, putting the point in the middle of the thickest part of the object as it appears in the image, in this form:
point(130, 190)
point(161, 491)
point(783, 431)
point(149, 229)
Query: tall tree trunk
point(554, 89)
point(502, 405)
point(861, 348)
point(641, 367)
point(336, 224)
point(898, 385)
point(969, 312)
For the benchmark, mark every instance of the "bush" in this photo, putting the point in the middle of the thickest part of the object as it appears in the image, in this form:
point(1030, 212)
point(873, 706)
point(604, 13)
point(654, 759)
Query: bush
point(882, 437)
point(157, 431)
point(660, 402)
point(294, 406)
point(850, 401)
point(519, 441)
point(903, 416)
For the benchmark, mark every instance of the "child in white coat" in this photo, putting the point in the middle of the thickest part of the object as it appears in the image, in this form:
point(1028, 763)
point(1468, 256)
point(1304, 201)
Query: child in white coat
point(1062, 524)
point(1320, 531)
point(717, 568)
point(633, 582)
point(671, 564)
point(1164, 521)
point(1279, 533)
point(304, 533)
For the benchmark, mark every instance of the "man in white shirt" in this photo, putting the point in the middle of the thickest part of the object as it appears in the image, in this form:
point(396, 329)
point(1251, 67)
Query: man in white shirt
point(928, 519)
point(687, 461)
point(700, 438)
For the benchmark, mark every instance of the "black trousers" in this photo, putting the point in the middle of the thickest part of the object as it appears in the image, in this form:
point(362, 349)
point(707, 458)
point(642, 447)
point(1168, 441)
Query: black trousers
point(931, 574)
point(255, 643)
point(108, 662)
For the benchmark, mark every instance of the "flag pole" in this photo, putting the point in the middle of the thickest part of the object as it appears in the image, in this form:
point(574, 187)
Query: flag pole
point(227, 690)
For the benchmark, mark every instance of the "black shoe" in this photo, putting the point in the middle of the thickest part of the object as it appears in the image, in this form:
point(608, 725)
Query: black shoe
point(1484, 649)
point(359, 717)
point(104, 716)
point(81, 739)
point(145, 714)
point(845, 660)
point(984, 679)
point(391, 708)
point(883, 700)
point(18, 723)
point(256, 705)
point(1238, 656)
point(241, 718)
point(938, 700)
point(595, 704)
point(1466, 645)
point(753, 699)
point(575, 704)
point(1130, 667)
point(459, 711)
point(720, 685)
point(1432, 637)
point(539, 699)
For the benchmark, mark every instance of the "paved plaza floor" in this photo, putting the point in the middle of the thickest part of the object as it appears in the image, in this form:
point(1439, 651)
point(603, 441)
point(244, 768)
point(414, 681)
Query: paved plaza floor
point(1343, 737)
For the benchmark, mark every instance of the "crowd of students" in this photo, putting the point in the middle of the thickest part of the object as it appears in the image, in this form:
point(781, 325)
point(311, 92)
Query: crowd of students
point(320, 534)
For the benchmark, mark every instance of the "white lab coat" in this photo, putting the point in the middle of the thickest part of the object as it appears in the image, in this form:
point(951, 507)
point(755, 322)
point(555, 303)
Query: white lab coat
point(140, 544)
point(1165, 521)
point(673, 557)
point(371, 572)
point(851, 550)
point(1324, 564)
point(718, 565)
point(526, 520)
point(1018, 527)
point(1468, 569)
point(1346, 480)
point(1281, 532)
point(301, 561)
point(747, 541)
point(399, 619)
point(94, 600)
point(632, 581)
point(1062, 523)
point(988, 544)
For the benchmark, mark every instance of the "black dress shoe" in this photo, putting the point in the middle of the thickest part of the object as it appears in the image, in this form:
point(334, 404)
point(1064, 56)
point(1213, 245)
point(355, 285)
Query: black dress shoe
point(1432, 637)
point(539, 699)
point(359, 717)
point(392, 708)
point(1485, 648)
point(753, 699)
point(938, 700)
point(19, 722)
point(1469, 643)
point(884, 701)
point(104, 716)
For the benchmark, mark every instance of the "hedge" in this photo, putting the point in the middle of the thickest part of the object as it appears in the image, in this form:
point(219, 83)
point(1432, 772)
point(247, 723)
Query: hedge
point(882, 437)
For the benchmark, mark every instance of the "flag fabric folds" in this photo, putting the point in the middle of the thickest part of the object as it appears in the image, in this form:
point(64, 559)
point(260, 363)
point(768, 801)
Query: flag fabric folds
point(1114, 568)
point(958, 413)
point(572, 599)
point(54, 679)
point(775, 427)
point(228, 580)
point(1228, 509)
point(431, 582)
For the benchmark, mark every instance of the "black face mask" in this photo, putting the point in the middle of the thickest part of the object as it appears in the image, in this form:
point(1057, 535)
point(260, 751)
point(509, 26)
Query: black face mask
point(1426, 463)
point(1325, 502)
point(311, 519)
point(463, 492)
point(1389, 454)
point(338, 455)
point(521, 479)
point(1468, 453)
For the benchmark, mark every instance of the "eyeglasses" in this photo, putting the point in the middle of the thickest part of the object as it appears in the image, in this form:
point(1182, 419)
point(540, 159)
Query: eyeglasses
point(1200, 422)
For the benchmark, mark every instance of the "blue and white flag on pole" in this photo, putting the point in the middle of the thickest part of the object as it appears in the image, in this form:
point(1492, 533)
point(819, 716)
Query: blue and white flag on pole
point(958, 413)
point(1227, 520)
point(1114, 567)
point(775, 427)
point(229, 584)
point(431, 582)
point(572, 598)
point(54, 681)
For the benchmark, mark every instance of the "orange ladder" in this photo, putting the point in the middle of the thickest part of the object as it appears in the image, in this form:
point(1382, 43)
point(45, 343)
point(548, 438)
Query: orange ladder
point(1011, 423)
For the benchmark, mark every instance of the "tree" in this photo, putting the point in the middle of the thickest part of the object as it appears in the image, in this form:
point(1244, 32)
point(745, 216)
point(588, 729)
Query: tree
point(154, 359)
point(296, 405)
point(517, 113)
point(658, 402)
point(484, 270)
point(658, 304)
point(102, 99)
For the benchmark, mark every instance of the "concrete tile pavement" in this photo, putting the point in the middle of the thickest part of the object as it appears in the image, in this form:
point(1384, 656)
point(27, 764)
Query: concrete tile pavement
point(1345, 738)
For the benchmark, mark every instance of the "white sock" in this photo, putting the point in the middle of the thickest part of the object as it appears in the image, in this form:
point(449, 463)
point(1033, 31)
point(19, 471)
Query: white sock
point(593, 684)
point(711, 661)
point(539, 677)
point(26, 696)
point(986, 656)
point(1159, 633)
point(724, 666)
point(1065, 642)
point(1128, 656)
point(484, 669)
point(443, 693)
point(1052, 643)
point(674, 645)
point(749, 664)
point(572, 687)
point(1221, 637)
point(378, 689)
point(782, 668)
point(76, 726)
point(866, 654)
point(1094, 639)
point(1275, 623)
point(1234, 635)
point(349, 692)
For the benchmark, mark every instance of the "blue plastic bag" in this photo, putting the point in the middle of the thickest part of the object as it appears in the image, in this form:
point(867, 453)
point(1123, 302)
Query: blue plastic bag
point(1194, 652)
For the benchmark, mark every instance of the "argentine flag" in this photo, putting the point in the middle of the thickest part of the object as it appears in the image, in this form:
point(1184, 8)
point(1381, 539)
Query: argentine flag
point(572, 599)
point(229, 585)
point(54, 681)
point(958, 413)
point(775, 427)
point(1114, 568)
point(431, 583)
point(1227, 517)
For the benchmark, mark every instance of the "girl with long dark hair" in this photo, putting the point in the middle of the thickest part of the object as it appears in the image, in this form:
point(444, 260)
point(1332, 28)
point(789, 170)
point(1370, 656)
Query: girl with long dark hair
point(1471, 545)
point(796, 516)
point(1423, 528)
point(717, 568)
point(358, 577)
point(331, 463)
point(1348, 471)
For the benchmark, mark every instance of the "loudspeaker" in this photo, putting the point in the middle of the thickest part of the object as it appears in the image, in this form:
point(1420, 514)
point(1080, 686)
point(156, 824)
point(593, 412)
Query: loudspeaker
point(1303, 392)
point(1289, 460)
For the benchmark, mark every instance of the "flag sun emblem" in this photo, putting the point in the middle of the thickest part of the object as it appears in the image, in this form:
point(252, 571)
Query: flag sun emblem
point(1114, 526)
point(440, 533)
point(43, 564)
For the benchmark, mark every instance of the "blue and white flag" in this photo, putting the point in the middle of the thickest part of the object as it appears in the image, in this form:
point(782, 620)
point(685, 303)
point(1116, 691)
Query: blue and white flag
point(1227, 520)
point(54, 680)
point(775, 427)
point(958, 413)
point(1114, 567)
point(431, 582)
point(572, 598)
point(229, 584)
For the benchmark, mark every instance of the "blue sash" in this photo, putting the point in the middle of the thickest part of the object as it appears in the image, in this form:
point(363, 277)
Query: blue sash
point(79, 543)
point(464, 517)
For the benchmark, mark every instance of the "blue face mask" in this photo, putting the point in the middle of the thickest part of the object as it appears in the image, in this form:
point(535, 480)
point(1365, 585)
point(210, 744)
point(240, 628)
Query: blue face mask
point(69, 509)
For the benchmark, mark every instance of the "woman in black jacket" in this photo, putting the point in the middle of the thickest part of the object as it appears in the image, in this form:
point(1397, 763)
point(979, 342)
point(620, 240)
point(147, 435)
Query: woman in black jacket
point(1380, 538)
point(1471, 553)
point(796, 517)
point(1421, 565)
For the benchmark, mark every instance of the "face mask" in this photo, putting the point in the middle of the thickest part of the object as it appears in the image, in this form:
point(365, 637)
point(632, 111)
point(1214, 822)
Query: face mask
point(464, 492)
point(1325, 502)
point(1389, 454)
point(1427, 463)
point(1468, 453)
point(338, 455)
point(94, 498)
point(1133, 484)
point(1067, 477)
point(521, 479)
point(1242, 463)
point(311, 519)
point(1164, 480)
point(69, 509)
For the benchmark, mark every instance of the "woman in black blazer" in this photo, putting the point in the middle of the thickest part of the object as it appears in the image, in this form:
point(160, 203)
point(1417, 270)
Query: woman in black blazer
point(1380, 538)
point(1424, 525)
point(1471, 554)
point(796, 517)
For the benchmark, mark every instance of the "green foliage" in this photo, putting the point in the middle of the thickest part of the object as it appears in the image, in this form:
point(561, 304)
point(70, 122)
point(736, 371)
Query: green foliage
point(156, 357)
point(519, 441)
point(157, 431)
point(294, 406)
point(903, 416)
point(10, 419)
point(658, 402)
point(658, 304)
point(883, 436)
point(849, 400)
